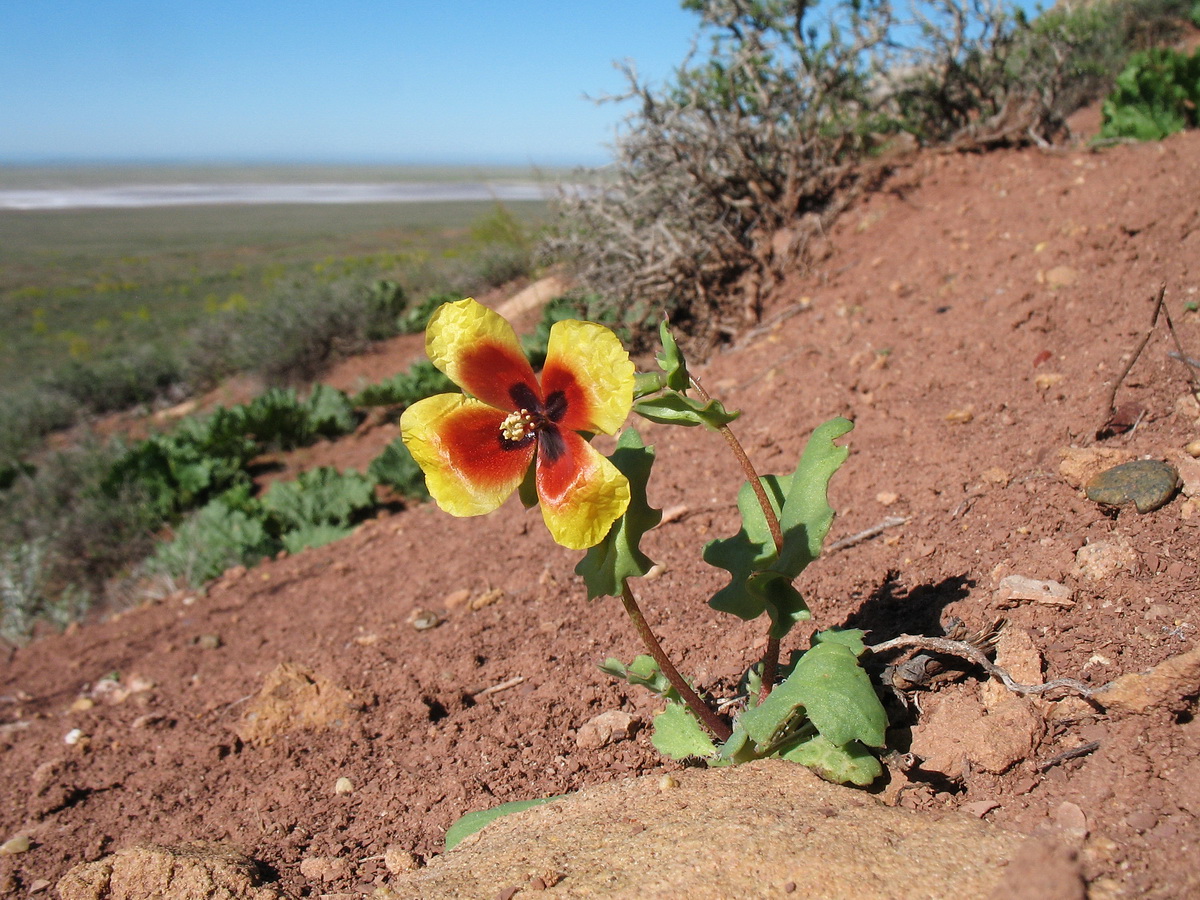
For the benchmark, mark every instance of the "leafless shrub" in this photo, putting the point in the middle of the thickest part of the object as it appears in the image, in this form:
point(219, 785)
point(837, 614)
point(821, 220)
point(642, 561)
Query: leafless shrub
point(763, 131)
point(720, 178)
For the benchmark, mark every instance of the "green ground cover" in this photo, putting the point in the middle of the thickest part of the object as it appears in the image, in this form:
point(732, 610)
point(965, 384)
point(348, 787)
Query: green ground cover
point(82, 284)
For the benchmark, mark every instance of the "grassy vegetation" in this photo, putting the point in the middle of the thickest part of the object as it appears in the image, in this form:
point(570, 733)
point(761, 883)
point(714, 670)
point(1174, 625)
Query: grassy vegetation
point(83, 284)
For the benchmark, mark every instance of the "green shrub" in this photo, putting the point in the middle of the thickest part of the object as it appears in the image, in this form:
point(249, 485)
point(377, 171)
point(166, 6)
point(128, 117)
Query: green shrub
point(26, 416)
point(320, 506)
point(422, 379)
point(23, 599)
point(396, 468)
point(1157, 94)
point(218, 536)
point(138, 376)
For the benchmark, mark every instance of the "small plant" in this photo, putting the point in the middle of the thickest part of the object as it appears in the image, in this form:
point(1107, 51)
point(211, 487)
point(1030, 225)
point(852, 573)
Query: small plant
point(1157, 94)
point(513, 431)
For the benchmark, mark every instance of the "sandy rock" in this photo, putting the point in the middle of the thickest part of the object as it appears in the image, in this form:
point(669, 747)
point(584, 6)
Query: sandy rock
point(398, 860)
point(1100, 560)
point(324, 868)
point(1016, 589)
point(605, 729)
point(1043, 869)
point(960, 730)
point(294, 698)
point(1079, 465)
point(1168, 685)
point(1017, 654)
point(1059, 276)
point(188, 872)
point(749, 831)
point(1189, 474)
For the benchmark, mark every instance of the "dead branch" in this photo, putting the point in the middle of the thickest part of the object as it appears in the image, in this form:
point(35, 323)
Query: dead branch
point(965, 650)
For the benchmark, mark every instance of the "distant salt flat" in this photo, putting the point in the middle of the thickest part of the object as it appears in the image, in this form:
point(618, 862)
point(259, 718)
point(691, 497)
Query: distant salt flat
point(144, 195)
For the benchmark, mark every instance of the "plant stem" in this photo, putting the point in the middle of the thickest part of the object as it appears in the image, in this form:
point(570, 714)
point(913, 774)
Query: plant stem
point(770, 660)
point(703, 711)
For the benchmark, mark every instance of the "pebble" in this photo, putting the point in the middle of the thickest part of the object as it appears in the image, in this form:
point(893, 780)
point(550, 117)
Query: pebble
point(604, 729)
point(1193, 449)
point(398, 860)
point(1014, 589)
point(343, 786)
point(14, 845)
point(1146, 483)
point(324, 868)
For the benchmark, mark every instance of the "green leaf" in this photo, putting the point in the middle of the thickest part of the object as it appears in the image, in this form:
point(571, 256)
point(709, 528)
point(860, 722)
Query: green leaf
point(320, 496)
point(678, 734)
point(642, 672)
point(476, 821)
point(605, 566)
point(806, 516)
point(760, 580)
point(396, 468)
point(671, 360)
point(833, 691)
point(673, 408)
point(313, 535)
point(754, 589)
point(851, 638)
point(849, 764)
point(837, 695)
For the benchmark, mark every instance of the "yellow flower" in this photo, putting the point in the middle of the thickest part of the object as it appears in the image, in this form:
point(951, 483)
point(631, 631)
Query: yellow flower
point(475, 450)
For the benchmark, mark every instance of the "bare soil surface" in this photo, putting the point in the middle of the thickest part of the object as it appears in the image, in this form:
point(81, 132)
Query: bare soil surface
point(971, 317)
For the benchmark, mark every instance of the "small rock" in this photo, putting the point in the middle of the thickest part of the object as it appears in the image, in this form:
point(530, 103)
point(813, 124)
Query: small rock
point(960, 734)
point(398, 860)
point(961, 416)
point(343, 786)
point(1100, 560)
point(668, 782)
point(73, 737)
point(456, 598)
point(1189, 475)
point(208, 641)
point(193, 870)
point(1072, 821)
point(1047, 380)
point(424, 619)
point(1146, 483)
point(1167, 685)
point(14, 845)
point(886, 498)
point(1017, 589)
point(1060, 276)
point(1142, 820)
point(1079, 465)
point(487, 598)
point(997, 476)
point(1017, 654)
point(324, 868)
point(605, 729)
point(1192, 448)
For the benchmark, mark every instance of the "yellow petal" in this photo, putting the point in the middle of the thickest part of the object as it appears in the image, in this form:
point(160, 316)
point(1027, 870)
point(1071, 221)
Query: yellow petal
point(580, 491)
point(456, 440)
point(479, 351)
point(589, 365)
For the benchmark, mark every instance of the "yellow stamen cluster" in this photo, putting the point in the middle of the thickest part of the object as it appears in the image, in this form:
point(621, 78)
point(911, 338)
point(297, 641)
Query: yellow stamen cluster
point(517, 425)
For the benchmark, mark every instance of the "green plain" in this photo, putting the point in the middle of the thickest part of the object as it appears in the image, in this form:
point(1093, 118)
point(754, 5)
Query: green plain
point(86, 282)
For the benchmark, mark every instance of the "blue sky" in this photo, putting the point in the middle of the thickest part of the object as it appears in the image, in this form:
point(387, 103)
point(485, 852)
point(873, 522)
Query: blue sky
point(380, 81)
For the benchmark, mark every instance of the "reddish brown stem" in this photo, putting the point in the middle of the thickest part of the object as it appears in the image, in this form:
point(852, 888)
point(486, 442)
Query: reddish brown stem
point(770, 660)
point(703, 711)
